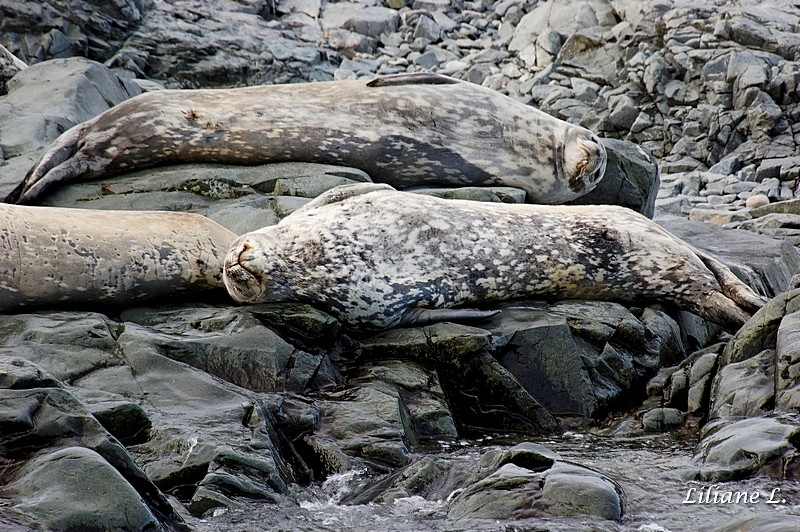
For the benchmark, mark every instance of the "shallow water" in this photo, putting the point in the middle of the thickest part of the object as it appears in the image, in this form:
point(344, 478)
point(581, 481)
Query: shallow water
point(652, 472)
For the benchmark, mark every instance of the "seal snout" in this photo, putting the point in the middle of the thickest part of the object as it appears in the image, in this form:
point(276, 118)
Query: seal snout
point(243, 284)
point(585, 160)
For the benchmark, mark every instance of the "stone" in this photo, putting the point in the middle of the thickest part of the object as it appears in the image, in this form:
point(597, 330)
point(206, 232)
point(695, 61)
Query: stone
point(75, 488)
point(787, 371)
point(45, 100)
point(371, 21)
point(717, 217)
point(765, 263)
point(701, 376)
point(746, 388)
point(662, 420)
point(734, 449)
point(10, 66)
point(756, 200)
point(427, 29)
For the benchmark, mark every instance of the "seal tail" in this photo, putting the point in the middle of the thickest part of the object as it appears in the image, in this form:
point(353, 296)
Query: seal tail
point(56, 165)
point(732, 287)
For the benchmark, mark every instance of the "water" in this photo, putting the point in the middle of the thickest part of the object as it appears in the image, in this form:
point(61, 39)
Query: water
point(654, 472)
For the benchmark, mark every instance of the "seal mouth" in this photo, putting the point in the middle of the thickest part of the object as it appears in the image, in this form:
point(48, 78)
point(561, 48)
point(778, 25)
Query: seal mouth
point(585, 161)
point(243, 284)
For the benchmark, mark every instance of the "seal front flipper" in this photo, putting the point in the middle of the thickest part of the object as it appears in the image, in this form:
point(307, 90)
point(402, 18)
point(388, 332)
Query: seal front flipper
point(425, 316)
point(419, 78)
point(341, 193)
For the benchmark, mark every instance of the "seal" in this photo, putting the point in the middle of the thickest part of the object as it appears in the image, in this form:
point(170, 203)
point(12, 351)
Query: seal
point(406, 130)
point(52, 256)
point(378, 258)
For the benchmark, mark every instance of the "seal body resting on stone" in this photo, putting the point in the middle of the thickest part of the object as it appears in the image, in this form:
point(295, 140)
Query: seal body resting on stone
point(378, 258)
point(52, 255)
point(406, 130)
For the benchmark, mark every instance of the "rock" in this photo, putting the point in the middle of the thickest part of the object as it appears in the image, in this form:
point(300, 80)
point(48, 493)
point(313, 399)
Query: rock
point(10, 66)
point(371, 21)
point(662, 420)
point(50, 29)
point(746, 388)
point(514, 492)
point(631, 179)
point(494, 399)
point(787, 356)
point(571, 356)
point(717, 217)
point(102, 497)
point(769, 269)
point(45, 100)
point(734, 449)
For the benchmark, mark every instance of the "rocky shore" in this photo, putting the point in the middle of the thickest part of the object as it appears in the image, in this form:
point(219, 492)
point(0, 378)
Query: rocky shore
point(198, 414)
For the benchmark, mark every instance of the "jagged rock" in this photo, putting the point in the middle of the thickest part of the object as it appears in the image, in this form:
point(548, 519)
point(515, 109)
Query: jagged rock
point(45, 100)
point(765, 263)
point(51, 29)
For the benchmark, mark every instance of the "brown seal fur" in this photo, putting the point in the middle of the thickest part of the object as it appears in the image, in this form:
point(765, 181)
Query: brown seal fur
point(378, 258)
point(407, 130)
point(52, 256)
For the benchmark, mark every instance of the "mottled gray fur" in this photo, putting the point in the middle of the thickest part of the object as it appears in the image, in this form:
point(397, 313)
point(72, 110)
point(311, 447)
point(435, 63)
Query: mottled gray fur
point(371, 256)
point(409, 130)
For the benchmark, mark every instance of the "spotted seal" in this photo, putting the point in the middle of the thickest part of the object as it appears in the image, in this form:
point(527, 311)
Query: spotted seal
point(378, 258)
point(51, 255)
point(406, 130)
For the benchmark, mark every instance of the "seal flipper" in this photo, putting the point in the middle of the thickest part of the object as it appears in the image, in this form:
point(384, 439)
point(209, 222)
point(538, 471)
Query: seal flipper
point(425, 316)
point(56, 165)
point(341, 193)
point(419, 78)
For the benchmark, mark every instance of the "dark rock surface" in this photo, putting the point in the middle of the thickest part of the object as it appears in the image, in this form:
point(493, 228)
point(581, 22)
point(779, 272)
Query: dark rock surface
point(211, 416)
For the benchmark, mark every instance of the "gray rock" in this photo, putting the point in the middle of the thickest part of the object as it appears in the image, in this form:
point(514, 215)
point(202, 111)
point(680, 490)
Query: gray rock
point(51, 29)
point(662, 420)
point(787, 371)
point(427, 29)
point(701, 376)
point(75, 488)
point(499, 400)
point(45, 100)
point(746, 388)
point(371, 21)
point(10, 66)
point(631, 179)
point(514, 492)
point(734, 449)
point(765, 263)
point(575, 357)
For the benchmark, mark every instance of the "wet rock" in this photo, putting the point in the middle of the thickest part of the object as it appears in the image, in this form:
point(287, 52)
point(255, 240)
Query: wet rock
point(662, 420)
point(734, 449)
point(482, 394)
point(576, 357)
point(746, 388)
point(514, 492)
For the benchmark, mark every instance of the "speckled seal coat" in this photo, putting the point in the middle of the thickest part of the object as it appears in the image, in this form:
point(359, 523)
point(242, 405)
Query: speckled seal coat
point(374, 257)
point(406, 130)
point(51, 256)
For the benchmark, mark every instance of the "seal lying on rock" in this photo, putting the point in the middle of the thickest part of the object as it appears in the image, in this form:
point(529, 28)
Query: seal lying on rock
point(406, 130)
point(378, 258)
point(51, 255)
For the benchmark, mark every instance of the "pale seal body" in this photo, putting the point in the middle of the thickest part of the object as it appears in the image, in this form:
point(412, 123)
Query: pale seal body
point(378, 258)
point(51, 256)
point(408, 130)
